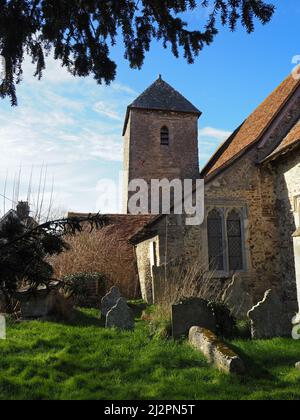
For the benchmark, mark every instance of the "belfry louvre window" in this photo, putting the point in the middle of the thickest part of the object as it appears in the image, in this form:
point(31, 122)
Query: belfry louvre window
point(215, 241)
point(164, 136)
point(234, 237)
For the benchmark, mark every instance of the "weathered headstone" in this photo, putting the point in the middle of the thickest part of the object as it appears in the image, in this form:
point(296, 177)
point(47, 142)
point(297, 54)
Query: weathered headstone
point(216, 351)
point(189, 313)
point(110, 300)
point(38, 305)
point(2, 327)
point(120, 316)
point(268, 318)
point(237, 298)
point(297, 366)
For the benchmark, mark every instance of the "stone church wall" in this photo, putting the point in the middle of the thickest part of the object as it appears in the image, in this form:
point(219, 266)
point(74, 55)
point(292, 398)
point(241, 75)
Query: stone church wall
point(287, 175)
point(168, 237)
point(144, 269)
point(266, 195)
point(246, 186)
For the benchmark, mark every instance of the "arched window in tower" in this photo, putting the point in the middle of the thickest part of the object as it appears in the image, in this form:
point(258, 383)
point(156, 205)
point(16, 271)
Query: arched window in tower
point(215, 241)
point(164, 136)
point(234, 237)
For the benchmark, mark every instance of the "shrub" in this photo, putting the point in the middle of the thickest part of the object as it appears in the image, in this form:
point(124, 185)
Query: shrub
point(186, 282)
point(226, 323)
point(101, 252)
point(26, 250)
point(182, 283)
point(85, 289)
point(63, 309)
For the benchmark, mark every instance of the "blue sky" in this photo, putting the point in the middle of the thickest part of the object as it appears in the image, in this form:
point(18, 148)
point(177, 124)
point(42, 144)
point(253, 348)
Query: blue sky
point(74, 126)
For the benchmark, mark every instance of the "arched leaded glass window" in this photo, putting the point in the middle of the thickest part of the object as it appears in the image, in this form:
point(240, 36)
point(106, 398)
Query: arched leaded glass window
point(234, 237)
point(164, 136)
point(215, 241)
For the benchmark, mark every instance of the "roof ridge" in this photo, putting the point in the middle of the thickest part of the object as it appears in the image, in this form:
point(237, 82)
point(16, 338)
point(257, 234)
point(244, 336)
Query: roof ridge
point(220, 149)
point(289, 141)
point(249, 138)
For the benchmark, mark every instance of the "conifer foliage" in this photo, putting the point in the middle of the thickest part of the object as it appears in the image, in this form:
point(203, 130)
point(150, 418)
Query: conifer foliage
point(81, 33)
point(24, 251)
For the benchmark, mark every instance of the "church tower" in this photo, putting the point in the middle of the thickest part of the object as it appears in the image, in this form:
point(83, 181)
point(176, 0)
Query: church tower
point(160, 137)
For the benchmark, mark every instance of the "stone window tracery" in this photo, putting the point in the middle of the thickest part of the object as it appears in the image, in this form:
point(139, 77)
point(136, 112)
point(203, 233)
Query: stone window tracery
point(234, 239)
point(215, 241)
point(225, 240)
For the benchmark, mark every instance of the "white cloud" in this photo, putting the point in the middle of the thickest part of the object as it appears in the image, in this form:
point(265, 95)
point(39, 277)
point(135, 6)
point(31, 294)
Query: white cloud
point(214, 133)
point(210, 139)
point(102, 108)
point(72, 125)
point(122, 88)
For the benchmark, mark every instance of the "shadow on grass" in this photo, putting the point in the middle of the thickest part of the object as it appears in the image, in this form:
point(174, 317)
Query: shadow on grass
point(84, 319)
point(137, 307)
point(254, 369)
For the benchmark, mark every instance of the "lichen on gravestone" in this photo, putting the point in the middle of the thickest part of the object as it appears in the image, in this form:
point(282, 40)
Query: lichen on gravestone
point(215, 351)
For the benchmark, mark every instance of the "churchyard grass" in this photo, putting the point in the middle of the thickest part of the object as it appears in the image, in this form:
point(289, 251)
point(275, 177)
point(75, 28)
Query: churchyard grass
point(82, 360)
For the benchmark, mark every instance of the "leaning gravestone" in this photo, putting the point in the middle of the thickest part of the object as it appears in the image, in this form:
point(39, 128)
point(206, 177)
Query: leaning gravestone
point(110, 300)
point(120, 316)
point(268, 319)
point(191, 312)
point(237, 298)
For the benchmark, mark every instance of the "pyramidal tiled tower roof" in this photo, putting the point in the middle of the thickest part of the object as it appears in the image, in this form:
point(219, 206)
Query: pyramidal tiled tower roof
point(162, 97)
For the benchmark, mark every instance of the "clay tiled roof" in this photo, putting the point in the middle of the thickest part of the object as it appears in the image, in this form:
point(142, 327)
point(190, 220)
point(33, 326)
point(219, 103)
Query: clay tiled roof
point(126, 225)
point(252, 129)
point(161, 96)
point(289, 141)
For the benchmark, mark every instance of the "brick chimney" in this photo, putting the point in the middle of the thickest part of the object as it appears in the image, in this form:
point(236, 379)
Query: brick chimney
point(23, 210)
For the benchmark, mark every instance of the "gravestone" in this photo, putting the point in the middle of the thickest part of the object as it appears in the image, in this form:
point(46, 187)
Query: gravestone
point(237, 298)
point(191, 312)
point(216, 351)
point(38, 304)
point(268, 318)
point(110, 300)
point(2, 327)
point(120, 316)
point(297, 365)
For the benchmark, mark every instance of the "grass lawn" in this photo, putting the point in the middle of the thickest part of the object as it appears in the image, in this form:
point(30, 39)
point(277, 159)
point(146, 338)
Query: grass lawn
point(85, 361)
